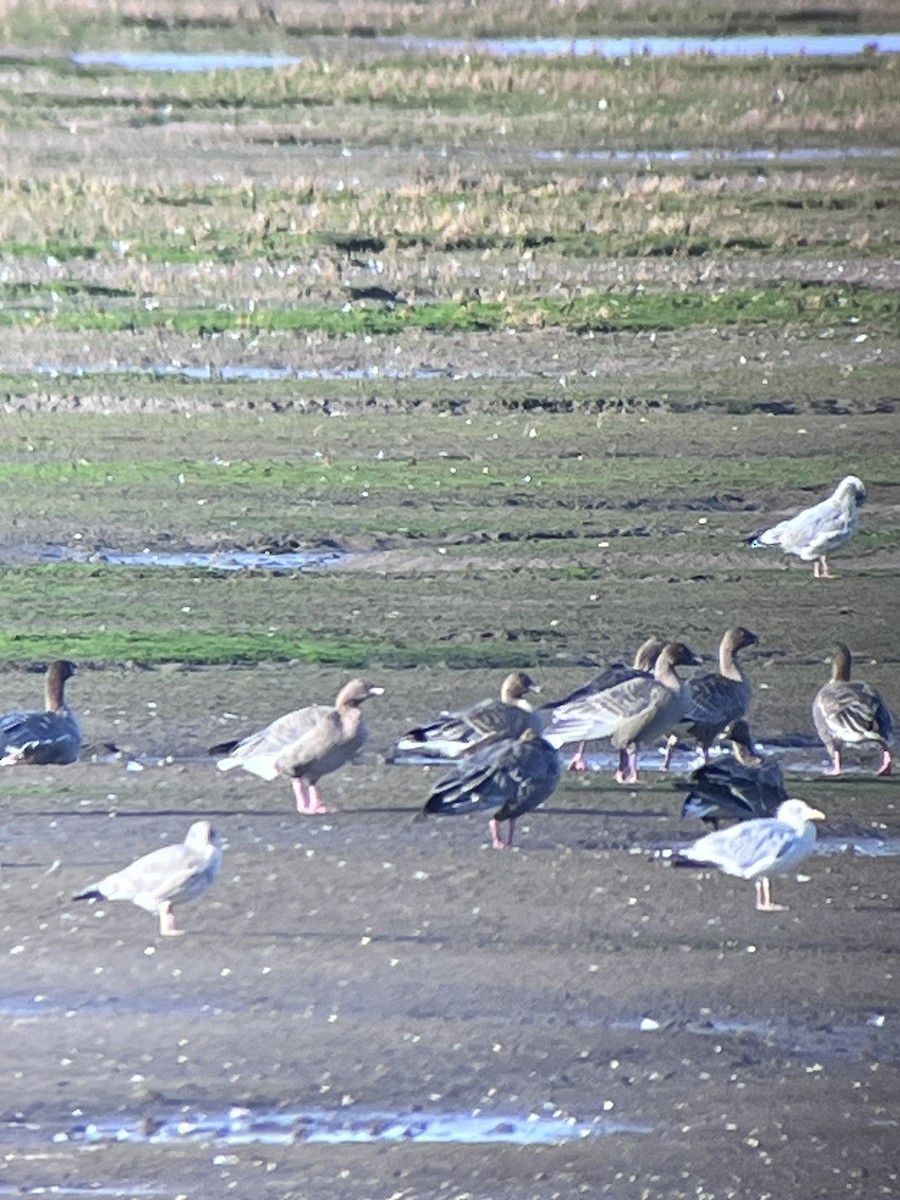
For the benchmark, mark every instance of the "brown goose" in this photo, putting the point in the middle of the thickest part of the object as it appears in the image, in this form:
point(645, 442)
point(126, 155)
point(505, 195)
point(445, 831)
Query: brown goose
point(851, 714)
point(815, 532)
point(637, 710)
point(455, 733)
point(51, 736)
point(307, 744)
point(513, 776)
point(739, 786)
point(164, 877)
point(645, 656)
point(715, 699)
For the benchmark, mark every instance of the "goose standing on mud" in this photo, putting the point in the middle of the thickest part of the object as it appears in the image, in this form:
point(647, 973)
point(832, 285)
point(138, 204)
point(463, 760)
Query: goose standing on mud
point(513, 776)
point(51, 736)
point(638, 710)
point(716, 699)
point(645, 656)
point(455, 733)
point(737, 786)
point(165, 877)
point(306, 744)
point(851, 714)
point(816, 532)
point(759, 848)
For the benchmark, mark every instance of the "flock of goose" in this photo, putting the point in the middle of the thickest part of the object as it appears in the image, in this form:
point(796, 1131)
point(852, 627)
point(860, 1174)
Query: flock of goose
point(504, 754)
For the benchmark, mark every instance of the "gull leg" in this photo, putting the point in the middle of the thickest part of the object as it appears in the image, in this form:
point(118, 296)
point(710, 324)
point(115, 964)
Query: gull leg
point(167, 927)
point(301, 795)
point(887, 765)
point(578, 763)
point(820, 568)
point(764, 896)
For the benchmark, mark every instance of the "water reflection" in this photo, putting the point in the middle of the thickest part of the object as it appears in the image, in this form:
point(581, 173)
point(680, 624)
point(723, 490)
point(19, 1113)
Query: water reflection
point(241, 1126)
point(655, 47)
point(665, 47)
point(219, 560)
point(801, 154)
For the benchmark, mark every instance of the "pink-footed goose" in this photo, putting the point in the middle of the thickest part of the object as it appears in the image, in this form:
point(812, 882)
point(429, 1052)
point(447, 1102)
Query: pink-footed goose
point(306, 744)
point(512, 776)
point(644, 658)
point(715, 699)
point(849, 713)
point(638, 710)
point(51, 736)
point(454, 733)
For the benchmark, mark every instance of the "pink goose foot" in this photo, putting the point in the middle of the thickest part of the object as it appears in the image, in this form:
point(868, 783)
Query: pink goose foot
point(167, 926)
point(627, 772)
point(579, 762)
point(887, 766)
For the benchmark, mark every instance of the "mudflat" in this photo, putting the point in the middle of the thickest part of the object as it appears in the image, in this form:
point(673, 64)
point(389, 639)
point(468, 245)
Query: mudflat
point(519, 352)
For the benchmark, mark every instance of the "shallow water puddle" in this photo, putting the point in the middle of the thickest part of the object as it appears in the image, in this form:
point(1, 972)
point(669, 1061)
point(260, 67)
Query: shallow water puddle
point(218, 560)
point(663, 47)
point(655, 47)
point(798, 155)
point(797, 760)
point(200, 374)
point(240, 1126)
point(163, 60)
point(825, 1041)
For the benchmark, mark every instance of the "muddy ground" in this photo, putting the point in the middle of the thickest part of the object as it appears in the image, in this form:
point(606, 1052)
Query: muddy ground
point(360, 963)
point(357, 970)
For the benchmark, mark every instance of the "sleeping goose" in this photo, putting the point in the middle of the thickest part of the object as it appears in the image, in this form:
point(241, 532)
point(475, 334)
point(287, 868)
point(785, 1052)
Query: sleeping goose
point(741, 785)
point(306, 744)
point(851, 714)
point(645, 656)
point(51, 736)
point(164, 877)
point(638, 710)
point(454, 733)
point(759, 848)
point(512, 776)
point(817, 531)
point(715, 699)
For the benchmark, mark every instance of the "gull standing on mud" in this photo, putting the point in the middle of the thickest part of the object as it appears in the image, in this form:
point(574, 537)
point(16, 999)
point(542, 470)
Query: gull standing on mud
point(165, 877)
point(759, 848)
point(51, 736)
point(454, 733)
point(851, 714)
point(306, 744)
point(512, 776)
point(816, 532)
point(638, 710)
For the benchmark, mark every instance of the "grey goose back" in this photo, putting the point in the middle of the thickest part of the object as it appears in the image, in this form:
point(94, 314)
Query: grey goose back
point(512, 776)
point(716, 699)
point(638, 710)
point(451, 734)
point(306, 744)
point(849, 713)
point(642, 664)
point(816, 532)
point(759, 848)
point(163, 878)
point(51, 736)
point(736, 786)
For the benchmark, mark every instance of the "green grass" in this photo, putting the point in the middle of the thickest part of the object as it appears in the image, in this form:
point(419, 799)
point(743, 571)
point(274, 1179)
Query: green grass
point(641, 311)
